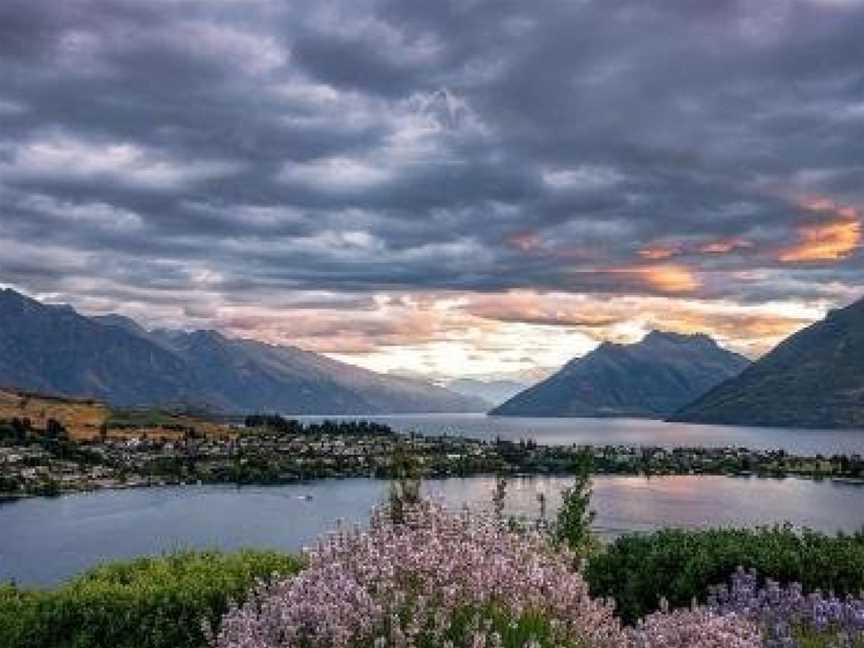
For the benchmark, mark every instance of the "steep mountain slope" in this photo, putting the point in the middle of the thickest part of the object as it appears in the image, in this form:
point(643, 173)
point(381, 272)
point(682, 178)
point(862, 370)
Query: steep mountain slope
point(54, 349)
point(493, 392)
point(266, 377)
point(651, 378)
point(815, 379)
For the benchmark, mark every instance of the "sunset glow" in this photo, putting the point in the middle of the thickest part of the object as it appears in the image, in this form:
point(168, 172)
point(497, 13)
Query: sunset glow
point(658, 253)
point(435, 190)
point(669, 278)
point(836, 237)
point(725, 246)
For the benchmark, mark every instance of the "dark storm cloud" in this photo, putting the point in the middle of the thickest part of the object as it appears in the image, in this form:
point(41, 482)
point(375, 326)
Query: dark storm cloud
point(248, 150)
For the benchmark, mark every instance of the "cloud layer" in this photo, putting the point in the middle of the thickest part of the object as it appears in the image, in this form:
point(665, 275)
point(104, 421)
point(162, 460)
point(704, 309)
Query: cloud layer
point(449, 187)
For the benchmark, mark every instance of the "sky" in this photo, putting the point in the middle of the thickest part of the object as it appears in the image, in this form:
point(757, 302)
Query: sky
point(475, 187)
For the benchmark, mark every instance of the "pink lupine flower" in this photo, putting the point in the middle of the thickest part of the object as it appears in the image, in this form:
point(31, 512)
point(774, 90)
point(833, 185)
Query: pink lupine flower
point(695, 628)
point(400, 584)
point(452, 580)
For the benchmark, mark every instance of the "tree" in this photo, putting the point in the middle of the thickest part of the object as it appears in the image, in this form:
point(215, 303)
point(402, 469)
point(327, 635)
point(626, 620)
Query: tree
point(499, 496)
point(405, 484)
point(54, 429)
point(573, 525)
point(21, 427)
point(541, 500)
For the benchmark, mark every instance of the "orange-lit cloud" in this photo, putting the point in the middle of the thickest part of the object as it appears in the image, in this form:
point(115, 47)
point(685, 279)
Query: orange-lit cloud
point(662, 251)
point(533, 308)
point(459, 333)
point(752, 333)
point(832, 239)
point(659, 252)
point(752, 330)
point(668, 278)
point(391, 321)
point(724, 246)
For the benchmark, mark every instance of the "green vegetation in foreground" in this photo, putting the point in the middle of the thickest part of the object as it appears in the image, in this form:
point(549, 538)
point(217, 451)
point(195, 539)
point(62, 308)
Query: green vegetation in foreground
point(161, 602)
point(680, 565)
point(526, 629)
point(146, 603)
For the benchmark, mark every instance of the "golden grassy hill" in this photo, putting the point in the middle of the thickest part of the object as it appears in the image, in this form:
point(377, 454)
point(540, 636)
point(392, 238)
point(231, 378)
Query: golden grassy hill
point(84, 418)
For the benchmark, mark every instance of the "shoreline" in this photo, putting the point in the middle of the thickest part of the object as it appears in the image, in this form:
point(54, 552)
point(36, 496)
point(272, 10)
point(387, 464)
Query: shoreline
point(272, 450)
point(8, 498)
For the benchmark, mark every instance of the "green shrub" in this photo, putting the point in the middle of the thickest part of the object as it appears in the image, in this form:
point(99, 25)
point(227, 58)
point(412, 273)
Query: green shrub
point(146, 603)
point(680, 565)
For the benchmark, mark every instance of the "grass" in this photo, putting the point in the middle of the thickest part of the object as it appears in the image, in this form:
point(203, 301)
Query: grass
point(83, 419)
point(146, 603)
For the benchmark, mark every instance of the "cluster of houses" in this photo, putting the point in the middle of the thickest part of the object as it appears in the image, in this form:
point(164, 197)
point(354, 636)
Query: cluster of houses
point(33, 470)
point(266, 456)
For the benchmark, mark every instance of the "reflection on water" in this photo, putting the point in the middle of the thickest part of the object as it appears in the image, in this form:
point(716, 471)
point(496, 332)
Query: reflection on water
point(635, 432)
point(639, 504)
point(46, 540)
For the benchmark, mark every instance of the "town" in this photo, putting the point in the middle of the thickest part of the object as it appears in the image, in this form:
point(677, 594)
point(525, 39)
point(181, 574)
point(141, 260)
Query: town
point(275, 450)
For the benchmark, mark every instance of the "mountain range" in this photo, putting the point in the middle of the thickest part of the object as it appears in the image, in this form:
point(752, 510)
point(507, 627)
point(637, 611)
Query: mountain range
point(54, 349)
point(652, 378)
point(813, 379)
point(493, 392)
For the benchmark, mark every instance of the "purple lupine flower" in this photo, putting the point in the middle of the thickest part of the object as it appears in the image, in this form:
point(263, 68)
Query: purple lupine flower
point(785, 613)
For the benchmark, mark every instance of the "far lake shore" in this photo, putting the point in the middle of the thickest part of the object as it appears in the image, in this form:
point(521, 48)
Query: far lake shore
point(276, 450)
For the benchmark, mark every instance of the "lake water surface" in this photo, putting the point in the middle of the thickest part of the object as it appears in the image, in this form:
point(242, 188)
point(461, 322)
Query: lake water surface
point(622, 431)
point(45, 540)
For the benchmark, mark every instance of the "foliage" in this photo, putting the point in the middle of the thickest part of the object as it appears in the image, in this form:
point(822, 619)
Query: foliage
point(695, 627)
point(405, 485)
point(499, 496)
point(16, 430)
point(789, 618)
point(680, 565)
point(146, 603)
point(441, 580)
point(437, 579)
point(282, 426)
point(45, 488)
point(573, 525)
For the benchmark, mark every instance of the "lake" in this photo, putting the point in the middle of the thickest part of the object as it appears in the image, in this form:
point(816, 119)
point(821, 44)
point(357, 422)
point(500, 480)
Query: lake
point(45, 540)
point(618, 431)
